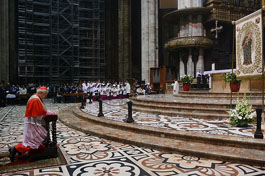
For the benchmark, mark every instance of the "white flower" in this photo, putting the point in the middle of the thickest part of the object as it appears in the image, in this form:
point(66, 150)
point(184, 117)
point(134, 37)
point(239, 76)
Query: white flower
point(242, 112)
point(253, 114)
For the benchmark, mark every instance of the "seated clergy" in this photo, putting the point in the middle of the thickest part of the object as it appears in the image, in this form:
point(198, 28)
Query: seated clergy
point(199, 76)
point(128, 89)
point(34, 131)
point(140, 91)
point(22, 90)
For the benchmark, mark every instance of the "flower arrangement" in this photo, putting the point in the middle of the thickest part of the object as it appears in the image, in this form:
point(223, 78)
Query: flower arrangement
point(243, 113)
point(231, 77)
point(186, 79)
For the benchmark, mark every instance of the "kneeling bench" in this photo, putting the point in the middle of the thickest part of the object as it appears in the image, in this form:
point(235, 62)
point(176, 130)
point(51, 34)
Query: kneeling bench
point(50, 149)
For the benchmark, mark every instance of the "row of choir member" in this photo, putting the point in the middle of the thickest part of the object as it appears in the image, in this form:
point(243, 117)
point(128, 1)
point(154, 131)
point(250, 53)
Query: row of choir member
point(109, 90)
point(106, 91)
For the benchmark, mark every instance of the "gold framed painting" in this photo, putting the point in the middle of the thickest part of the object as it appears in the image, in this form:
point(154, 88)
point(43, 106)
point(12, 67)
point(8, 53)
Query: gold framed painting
point(249, 45)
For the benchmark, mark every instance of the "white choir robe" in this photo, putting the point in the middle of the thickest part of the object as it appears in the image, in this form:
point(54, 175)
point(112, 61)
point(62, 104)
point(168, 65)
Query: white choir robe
point(128, 88)
point(84, 87)
point(114, 92)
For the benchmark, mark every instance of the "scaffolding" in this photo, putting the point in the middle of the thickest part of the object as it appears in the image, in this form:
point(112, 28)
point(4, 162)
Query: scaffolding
point(60, 41)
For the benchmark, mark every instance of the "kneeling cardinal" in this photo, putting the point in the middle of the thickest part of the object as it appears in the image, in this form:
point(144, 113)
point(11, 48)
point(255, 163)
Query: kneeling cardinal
point(34, 131)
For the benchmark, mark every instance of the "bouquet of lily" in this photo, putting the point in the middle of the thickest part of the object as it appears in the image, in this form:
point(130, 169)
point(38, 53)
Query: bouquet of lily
point(243, 114)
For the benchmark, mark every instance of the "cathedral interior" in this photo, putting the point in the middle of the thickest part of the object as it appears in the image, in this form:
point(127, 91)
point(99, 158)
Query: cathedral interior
point(54, 41)
point(150, 125)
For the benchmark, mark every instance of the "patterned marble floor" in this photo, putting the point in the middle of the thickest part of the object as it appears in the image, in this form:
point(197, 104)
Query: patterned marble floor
point(89, 155)
point(117, 110)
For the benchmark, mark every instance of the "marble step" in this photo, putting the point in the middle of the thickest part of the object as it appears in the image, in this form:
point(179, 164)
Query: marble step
point(208, 106)
point(228, 148)
point(217, 97)
point(191, 114)
point(205, 94)
point(181, 108)
point(184, 102)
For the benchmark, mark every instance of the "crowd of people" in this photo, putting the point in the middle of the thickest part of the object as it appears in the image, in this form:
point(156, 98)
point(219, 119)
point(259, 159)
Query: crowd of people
point(107, 90)
point(142, 89)
point(35, 133)
point(202, 79)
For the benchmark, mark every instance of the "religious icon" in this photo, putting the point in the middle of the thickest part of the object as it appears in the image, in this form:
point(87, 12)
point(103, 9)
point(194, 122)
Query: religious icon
point(246, 45)
point(249, 45)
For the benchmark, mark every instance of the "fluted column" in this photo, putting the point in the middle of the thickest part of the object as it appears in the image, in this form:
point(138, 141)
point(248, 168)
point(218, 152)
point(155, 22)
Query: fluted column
point(181, 67)
point(200, 63)
point(190, 64)
point(149, 17)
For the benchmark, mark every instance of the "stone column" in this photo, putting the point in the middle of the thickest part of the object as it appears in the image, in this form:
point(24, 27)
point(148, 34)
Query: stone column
point(190, 64)
point(200, 26)
point(181, 67)
point(200, 63)
point(4, 41)
point(13, 65)
point(190, 25)
point(124, 16)
point(181, 28)
point(149, 21)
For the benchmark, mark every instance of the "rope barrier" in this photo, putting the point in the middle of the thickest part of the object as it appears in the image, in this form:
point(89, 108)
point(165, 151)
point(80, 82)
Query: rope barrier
point(6, 114)
point(116, 105)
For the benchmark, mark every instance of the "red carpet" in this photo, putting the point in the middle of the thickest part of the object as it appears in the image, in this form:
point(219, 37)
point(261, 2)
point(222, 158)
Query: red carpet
point(21, 162)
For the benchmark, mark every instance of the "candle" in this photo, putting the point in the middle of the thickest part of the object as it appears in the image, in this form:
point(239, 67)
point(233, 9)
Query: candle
point(213, 66)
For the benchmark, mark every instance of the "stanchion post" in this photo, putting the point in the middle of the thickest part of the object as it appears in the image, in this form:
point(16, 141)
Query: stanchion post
point(98, 96)
point(100, 113)
point(90, 97)
point(129, 119)
point(83, 103)
point(258, 132)
point(262, 56)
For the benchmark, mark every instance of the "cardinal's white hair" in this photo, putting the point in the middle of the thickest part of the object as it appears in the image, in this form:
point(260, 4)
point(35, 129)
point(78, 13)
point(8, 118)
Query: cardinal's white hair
point(42, 91)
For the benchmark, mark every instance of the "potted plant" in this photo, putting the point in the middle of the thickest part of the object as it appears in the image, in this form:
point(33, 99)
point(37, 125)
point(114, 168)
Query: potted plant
point(243, 114)
point(186, 80)
point(234, 82)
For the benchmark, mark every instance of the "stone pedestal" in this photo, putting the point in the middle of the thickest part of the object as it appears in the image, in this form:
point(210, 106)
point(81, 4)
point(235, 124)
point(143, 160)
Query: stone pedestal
point(247, 85)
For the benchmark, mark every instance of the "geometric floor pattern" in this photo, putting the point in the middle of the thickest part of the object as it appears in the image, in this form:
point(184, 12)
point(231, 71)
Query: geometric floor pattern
point(117, 110)
point(89, 155)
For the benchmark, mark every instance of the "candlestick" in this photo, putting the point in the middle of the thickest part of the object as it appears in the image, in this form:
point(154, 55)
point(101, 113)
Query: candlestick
point(213, 66)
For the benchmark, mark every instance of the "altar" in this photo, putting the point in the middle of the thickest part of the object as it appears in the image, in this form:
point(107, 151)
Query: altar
point(217, 83)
